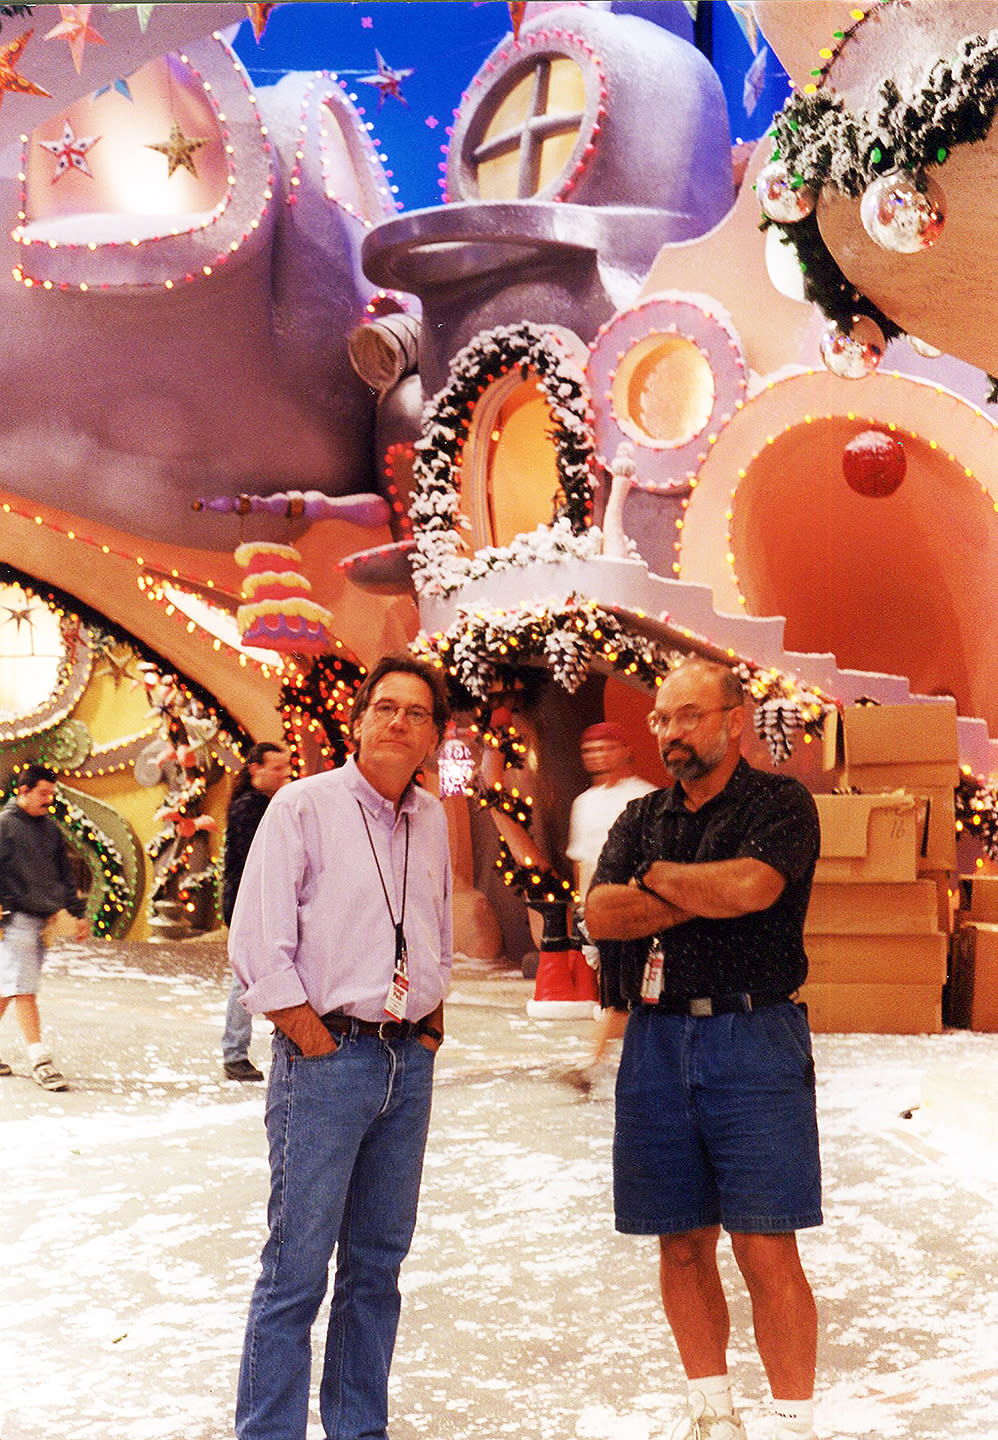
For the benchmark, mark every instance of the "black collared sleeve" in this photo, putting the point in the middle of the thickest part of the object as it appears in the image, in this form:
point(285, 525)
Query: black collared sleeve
point(622, 962)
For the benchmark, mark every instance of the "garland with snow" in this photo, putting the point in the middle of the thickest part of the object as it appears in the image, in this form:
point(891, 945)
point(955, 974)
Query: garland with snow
point(481, 646)
point(437, 565)
point(821, 143)
point(112, 891)
point(480, 649)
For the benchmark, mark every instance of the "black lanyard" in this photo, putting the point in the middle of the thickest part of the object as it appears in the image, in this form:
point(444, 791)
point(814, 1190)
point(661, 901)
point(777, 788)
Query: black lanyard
point(401, 954)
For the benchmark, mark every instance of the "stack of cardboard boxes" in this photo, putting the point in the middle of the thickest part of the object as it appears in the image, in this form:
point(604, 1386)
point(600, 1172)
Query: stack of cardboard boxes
point(881, 912)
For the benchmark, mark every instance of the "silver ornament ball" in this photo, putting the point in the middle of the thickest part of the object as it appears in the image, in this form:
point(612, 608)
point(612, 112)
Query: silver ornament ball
point(902, 212)
point(779, 198)
point(856, 352)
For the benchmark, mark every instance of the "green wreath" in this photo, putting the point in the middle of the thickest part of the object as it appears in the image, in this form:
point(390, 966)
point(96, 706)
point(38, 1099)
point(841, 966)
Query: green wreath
point(435, 510)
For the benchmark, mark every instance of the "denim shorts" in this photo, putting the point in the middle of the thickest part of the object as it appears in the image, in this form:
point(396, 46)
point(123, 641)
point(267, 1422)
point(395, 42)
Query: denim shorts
point(21, 954)
point(716, 1124)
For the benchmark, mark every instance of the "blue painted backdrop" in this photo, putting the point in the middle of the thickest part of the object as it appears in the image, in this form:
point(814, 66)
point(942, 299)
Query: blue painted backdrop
point(444, 44)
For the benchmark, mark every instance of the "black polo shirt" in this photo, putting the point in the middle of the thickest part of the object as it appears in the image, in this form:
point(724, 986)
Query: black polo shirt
point(768, 817)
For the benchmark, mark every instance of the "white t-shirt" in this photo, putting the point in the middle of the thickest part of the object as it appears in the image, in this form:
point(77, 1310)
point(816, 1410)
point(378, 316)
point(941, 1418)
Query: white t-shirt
point(593, 812)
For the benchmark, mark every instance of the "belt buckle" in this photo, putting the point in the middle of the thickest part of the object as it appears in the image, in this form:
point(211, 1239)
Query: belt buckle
point(389, 1030)
point(702, 1006)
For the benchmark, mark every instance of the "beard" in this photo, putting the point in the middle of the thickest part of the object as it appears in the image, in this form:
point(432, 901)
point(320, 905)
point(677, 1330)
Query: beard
point(686, 763)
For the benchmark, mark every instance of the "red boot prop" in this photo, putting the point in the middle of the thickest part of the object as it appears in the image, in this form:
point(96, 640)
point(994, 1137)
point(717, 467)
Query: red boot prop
point(566, 987)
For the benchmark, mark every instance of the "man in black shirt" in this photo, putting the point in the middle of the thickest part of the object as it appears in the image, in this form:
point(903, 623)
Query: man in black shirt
point(698, 904)
point(267, 770)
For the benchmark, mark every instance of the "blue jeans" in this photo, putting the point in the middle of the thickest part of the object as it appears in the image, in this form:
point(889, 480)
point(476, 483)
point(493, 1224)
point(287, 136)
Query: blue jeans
point(347, 1133)
point(238, 1030)
point(715, 1124)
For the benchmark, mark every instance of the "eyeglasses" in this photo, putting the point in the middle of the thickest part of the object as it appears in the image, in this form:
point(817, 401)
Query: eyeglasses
point(685, 719)
point(386, 711)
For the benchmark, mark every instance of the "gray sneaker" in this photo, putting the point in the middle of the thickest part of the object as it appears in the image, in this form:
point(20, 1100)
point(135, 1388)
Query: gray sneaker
point(704, 1423)
point(47, 1076)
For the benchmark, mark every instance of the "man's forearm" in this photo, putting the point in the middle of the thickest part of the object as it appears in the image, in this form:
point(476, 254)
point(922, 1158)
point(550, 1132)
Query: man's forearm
point(717, 889)
point(626, 912)
point(301, 1024)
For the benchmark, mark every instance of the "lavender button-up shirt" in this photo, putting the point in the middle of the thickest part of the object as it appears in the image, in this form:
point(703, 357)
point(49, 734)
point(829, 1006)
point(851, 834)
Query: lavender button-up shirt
point(311, 922)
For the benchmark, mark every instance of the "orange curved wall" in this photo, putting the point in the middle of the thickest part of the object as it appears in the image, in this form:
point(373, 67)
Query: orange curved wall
point(902, 584)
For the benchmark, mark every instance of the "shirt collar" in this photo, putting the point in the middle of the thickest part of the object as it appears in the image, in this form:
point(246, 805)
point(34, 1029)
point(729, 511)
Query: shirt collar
point(373, 801)
point(676, 797)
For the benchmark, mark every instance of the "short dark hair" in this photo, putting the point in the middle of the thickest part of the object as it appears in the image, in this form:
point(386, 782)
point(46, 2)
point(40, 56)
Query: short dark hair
point(33, 774)
point(254, 756)
point(431, 676)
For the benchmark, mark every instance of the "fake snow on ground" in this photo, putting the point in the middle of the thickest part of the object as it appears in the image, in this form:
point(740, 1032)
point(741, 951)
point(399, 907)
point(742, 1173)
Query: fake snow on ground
point(134, 1213)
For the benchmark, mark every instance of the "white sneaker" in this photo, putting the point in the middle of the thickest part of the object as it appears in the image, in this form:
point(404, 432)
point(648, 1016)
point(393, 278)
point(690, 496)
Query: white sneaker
point(47, 1076)
point(704, 1423)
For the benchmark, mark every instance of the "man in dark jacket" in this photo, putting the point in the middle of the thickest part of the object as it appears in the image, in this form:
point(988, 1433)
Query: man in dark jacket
point(267, 769)
point(35, 883)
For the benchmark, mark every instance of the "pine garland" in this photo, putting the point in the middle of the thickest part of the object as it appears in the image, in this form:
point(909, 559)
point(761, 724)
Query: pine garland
point(535, 883)
point(324, 693)
point(484, 646)
point(483, 649)
point(113, 892)
point(821, 143)
point(977, 812)
point(437, 565)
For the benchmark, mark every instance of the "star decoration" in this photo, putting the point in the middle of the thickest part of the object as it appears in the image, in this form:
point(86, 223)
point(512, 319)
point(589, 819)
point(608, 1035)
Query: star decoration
point(179, 150)
point(744, 13)
point(10, 79)
point(75, 27)
point(117, 663)
point(387, 81)
point(259, 15)
point(119, 85)
point(516, 12)
point(142, 11)
point(20, 615)
point(70, 152)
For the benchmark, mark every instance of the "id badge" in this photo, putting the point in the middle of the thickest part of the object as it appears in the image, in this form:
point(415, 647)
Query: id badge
point(651, 981)
point(398, 996)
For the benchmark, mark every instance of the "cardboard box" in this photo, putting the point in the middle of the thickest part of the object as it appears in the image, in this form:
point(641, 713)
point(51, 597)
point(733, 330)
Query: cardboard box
point(936, 824)
point(874, 1009)
point(972, 997)
point(979, 897)
point(902, 735)
point(948, 895)
point(869, 909)
point(867, 838)
point(832, 747)
point(877, 960)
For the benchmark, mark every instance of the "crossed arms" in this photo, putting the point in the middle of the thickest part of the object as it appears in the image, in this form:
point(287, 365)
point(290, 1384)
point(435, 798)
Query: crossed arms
point(674, 893)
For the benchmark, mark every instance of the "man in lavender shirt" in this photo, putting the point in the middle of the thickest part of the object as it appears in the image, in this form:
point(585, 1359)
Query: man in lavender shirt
point(342, 936)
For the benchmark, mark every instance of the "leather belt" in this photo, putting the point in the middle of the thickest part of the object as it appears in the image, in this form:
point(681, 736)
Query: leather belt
point(737, 1003)
point(339, 1024)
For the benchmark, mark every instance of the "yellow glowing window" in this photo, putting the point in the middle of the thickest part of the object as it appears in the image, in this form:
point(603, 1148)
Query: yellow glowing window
point(531, 136)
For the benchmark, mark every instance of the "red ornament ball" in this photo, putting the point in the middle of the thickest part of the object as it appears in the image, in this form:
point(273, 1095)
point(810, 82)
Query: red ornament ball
point(874, 464)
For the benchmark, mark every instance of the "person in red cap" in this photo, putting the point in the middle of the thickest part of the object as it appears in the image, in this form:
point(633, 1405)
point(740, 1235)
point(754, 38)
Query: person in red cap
point(608, 760)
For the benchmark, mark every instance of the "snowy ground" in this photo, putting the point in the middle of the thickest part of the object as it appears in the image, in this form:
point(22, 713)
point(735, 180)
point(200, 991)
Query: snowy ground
point(134, 1205)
